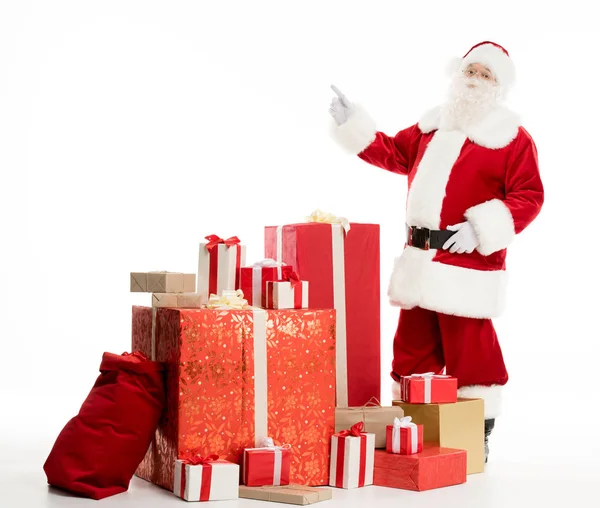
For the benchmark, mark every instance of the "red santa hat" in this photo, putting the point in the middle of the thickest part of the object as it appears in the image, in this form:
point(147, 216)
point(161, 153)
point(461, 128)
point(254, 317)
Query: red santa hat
point(491, 55)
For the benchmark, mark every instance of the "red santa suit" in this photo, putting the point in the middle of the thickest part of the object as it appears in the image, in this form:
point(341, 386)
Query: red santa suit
point(487, 174)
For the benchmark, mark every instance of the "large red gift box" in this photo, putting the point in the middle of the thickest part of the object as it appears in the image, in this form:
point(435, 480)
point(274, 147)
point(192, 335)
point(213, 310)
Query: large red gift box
point(234, 377)
point(432, 468)
point(428, 389)
point(342, 270)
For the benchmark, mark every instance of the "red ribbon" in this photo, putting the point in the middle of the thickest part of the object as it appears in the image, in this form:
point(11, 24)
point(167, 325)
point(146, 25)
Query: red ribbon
point(355, 430)
point(198, 460)
point(206, 462)
point(293, 278)
point(214, 240)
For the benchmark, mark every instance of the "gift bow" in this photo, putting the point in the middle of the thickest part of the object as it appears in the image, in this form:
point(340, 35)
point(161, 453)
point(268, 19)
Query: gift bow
point(405, 421)
point(198, 460)
point(267, 442)
point(214, 240)
point(328, 218)
point(229, 299)
point(429, 375)
point(268, 262)
point(355, 430)
point(293, 279)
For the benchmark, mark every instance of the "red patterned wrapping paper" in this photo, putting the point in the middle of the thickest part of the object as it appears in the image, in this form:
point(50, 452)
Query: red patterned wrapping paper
point(261, 467)
point(309, 248)
point(428, 389)
point(268, 273)
point(432, 468)
point(209, 358)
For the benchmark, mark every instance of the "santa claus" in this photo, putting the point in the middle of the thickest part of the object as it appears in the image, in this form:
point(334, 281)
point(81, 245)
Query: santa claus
point(473, 184)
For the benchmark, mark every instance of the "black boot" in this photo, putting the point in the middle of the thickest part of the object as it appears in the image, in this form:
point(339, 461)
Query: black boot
point(489, 426)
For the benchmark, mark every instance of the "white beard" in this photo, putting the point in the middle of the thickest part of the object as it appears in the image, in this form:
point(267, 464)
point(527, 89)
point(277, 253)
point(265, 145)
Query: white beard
point(467, 106)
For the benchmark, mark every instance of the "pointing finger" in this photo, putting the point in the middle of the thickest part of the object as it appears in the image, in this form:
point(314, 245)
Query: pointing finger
point(344, 100)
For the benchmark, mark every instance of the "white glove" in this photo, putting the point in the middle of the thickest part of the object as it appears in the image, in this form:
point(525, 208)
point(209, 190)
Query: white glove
point(341, 108)
point(464, 240)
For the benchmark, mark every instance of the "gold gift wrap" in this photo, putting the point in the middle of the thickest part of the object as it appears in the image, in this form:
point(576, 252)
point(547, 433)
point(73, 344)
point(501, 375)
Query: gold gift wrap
point(162, 282)
point(374, 416)
point(291, 494)
point(178, 300)
point(452, 425)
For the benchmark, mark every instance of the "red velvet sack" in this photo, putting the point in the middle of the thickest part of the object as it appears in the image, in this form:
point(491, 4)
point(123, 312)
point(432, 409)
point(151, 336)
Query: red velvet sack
point(98, 451)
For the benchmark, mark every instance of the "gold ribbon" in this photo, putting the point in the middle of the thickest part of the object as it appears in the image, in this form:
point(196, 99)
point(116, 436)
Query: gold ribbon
point(229, 299)
point(328, 218)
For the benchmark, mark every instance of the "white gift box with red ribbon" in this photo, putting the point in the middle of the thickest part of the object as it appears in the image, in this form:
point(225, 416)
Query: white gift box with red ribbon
point(352, 458)
point(206, 479)
point(219, 265)
point(287, 294)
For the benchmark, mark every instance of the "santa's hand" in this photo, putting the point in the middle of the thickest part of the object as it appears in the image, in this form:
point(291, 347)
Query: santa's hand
point(341, 108)
point(463, 241)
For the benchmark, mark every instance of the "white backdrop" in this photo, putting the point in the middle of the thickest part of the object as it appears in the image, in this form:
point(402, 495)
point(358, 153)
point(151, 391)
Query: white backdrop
point(130, 130)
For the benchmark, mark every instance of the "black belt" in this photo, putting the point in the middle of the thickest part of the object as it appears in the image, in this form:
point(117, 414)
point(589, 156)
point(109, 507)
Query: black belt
point(423, 238)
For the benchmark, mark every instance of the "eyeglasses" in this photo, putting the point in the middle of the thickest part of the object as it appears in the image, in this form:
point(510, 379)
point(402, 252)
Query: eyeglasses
point(484, 74)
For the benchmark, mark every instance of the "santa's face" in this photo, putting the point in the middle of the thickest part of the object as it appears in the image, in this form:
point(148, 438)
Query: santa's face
point(473, 92)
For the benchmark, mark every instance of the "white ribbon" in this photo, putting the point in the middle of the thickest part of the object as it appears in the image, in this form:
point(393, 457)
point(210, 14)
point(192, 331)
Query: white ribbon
point(427, 377)
point(257, 278)
point(267, 442)
point(261, 420)
point(406, 423)
point(339, 226)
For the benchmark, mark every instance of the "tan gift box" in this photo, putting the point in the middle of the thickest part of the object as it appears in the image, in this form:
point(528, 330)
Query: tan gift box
point(374, 416)
point(178, 300)
point(453, 425)
point(291, 494)
point(162, 282)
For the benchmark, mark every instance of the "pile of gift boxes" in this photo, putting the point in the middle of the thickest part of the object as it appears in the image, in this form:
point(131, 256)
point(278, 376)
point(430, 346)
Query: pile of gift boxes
point(273, 375)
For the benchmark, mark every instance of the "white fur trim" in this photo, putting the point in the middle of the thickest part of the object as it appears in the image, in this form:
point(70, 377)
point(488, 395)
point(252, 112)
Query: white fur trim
point(491, 395)
point(496, 130)
point(418, 281)
point(493, 224)
point(495, 60)
point(357, 133)
point(428, 188)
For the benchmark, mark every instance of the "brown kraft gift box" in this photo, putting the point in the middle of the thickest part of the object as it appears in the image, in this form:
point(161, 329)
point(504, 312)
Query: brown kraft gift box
point(375, 418)
point(291, 494)
point(454, 425)
point(162, 282)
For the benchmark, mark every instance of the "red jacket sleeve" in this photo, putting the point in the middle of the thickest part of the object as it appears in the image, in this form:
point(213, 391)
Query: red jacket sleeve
point(497, 221)
point(395, 154)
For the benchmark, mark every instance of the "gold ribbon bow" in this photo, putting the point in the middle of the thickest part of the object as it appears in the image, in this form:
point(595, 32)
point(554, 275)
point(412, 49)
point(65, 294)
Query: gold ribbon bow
point(229, 299)
point(328, 218)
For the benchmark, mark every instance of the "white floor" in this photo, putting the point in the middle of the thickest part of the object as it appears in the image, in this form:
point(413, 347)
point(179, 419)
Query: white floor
point(503, 485)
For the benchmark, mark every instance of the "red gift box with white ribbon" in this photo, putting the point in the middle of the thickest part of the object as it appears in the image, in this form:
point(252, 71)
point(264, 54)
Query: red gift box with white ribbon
point(206, 479)
point(219, 265)
point(266, 465)
point(352, 458)
point(404, 437)
point(254, 279)
point(289, 293)
point(428, 388)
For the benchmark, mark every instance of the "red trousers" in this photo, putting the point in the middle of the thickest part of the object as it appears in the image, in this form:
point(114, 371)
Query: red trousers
point(428, 341)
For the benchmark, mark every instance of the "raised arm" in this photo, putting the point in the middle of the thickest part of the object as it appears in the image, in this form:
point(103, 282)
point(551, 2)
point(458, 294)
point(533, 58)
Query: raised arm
point(355, 131)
